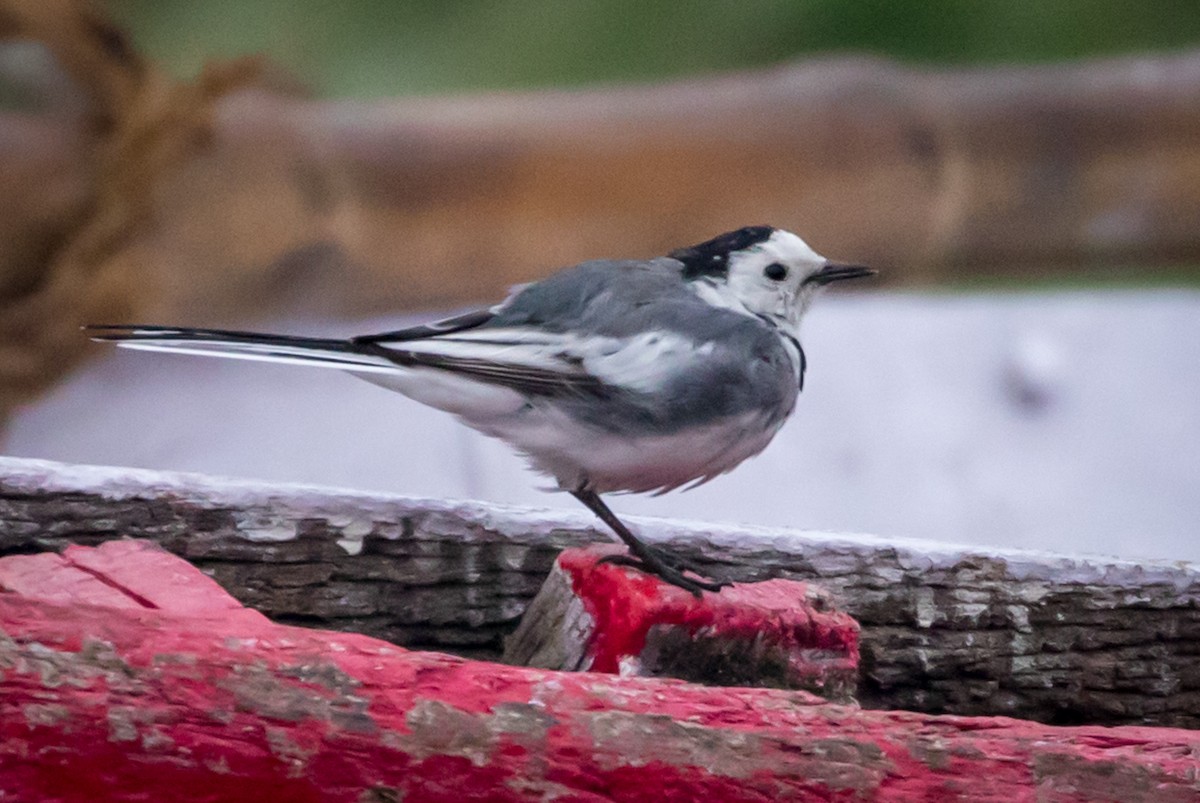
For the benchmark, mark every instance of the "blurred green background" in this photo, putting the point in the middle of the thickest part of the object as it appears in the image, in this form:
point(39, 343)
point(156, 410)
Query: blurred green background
point(377, 48)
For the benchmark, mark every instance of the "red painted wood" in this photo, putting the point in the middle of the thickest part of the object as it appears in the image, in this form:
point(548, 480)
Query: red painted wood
point(816, 642)
point(126, 574)
point(160, 697)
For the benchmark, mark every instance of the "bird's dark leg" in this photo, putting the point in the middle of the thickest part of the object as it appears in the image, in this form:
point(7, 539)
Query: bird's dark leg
point(645, 557)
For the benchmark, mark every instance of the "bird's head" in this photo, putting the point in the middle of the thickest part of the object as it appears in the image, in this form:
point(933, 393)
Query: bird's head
point(761, 270)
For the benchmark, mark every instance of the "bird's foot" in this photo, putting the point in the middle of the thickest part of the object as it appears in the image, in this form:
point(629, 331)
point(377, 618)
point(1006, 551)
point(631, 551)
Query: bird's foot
point(669, 568)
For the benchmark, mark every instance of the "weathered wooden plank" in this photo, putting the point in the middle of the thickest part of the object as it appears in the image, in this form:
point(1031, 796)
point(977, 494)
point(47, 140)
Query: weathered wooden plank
point(1063, 639)
point(165, 701)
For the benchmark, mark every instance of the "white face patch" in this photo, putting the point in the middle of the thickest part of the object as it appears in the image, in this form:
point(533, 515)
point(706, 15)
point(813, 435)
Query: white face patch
point(768, 279)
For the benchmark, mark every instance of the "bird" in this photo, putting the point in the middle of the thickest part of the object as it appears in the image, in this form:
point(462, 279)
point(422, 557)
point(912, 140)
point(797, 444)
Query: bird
point(610, 376)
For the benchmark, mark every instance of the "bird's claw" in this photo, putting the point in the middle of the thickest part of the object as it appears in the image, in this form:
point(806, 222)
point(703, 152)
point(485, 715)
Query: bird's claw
point(669, 568)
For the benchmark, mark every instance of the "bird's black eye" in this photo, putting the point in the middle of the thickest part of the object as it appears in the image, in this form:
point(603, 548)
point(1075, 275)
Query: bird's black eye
point(775, 272)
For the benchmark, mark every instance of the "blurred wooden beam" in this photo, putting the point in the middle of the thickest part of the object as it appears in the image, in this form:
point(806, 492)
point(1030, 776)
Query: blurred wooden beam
point(227, 198)
point(931, 175)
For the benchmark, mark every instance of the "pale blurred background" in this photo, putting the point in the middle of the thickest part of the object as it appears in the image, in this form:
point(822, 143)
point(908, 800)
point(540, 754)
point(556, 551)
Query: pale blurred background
point(1026, 373)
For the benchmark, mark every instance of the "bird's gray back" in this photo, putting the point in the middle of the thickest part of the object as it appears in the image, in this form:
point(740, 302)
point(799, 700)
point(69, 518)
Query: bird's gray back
point(746, 368)
point(580, 298)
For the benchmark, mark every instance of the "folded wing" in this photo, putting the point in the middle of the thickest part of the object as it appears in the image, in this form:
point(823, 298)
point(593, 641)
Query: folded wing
point(526, 360)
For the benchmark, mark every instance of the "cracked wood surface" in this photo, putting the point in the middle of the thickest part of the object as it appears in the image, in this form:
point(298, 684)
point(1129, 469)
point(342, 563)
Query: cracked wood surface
point(1061, 639)
point(158, 692)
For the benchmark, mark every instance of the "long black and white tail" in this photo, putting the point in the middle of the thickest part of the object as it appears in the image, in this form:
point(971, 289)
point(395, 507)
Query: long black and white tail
point(527, 361)
point(345, 355)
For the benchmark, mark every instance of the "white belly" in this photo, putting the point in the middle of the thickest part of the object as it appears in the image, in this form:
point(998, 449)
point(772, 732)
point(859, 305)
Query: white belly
point(580, 456)
point(577, 455)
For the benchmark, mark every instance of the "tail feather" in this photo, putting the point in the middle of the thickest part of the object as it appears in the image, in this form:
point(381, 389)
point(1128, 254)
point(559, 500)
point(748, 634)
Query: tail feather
point(505, 359)
point(313, 351)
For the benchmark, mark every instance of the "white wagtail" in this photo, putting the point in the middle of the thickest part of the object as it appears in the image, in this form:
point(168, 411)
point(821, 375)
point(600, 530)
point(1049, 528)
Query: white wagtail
point(612, 375)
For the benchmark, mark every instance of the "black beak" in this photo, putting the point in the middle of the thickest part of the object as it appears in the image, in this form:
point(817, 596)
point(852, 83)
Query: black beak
point(836, 273)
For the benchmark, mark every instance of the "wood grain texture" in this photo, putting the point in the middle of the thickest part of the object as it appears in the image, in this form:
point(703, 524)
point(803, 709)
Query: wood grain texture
point(1062, 639)
point(151, 697)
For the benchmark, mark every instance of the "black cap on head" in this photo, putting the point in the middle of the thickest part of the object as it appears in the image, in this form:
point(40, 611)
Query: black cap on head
point(711, 257)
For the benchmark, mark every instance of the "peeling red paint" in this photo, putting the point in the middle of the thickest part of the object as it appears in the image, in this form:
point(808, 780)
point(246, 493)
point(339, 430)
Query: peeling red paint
point(151, 704)
point(626, 605)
